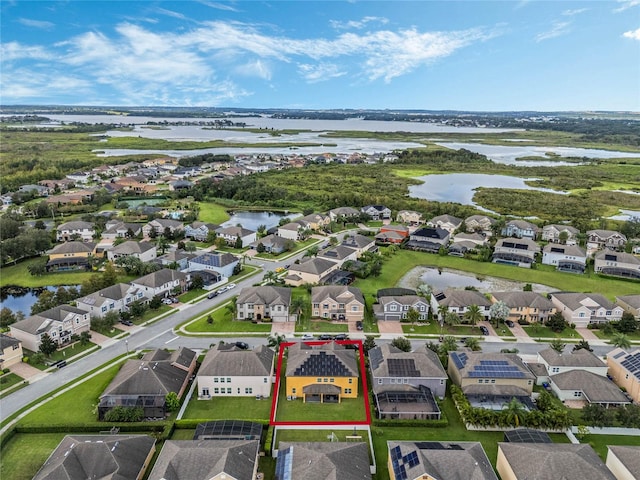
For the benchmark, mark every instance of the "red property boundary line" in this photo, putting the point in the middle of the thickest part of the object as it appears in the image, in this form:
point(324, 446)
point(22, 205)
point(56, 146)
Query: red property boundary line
point(363, 377)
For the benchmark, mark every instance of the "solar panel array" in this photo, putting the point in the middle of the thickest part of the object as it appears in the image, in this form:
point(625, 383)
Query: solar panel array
point(402, 367)
point(632, 363)
point(460, 359)
point(400, 462)
point(438, 446)
point(284, 464)
point(526, 435)
point(619, 354)
point(322, 365)
point(496, 369)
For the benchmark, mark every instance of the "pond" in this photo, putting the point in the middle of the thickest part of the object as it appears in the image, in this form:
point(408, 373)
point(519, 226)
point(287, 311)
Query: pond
point(449, 278)
point(144, 201)
point(252, 220)
point(460, 187)
point(20, 299)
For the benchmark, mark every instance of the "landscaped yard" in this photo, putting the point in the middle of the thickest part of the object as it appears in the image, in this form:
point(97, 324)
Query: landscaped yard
point(634, 337)
point(540, 331)
point(300, 246)
point(67, 352)
point(212, 213)
point(74, 407)
point(191, 294)
point(25, 453)
point(223, 322)
point(222, 408)
point(19, 275)
point(149, 314)
point(600, 442)
point(323, 326)
point(433, 328)
point(9, 380)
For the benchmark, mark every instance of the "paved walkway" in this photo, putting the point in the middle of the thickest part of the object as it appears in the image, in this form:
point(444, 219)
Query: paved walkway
point(520, 333)
point(27, 372)
point(590, 337)
point(394, 328)
point(283, 328)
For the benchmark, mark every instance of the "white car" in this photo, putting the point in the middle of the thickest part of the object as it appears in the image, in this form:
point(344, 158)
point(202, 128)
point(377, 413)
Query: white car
point(307, 336)
point(230, 286)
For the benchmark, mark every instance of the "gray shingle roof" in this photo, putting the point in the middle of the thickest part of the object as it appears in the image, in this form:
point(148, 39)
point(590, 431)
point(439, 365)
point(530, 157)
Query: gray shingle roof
point(114, 292)
point(206, 459)
point(315, 266)
point(37, 323)
point(578, 358)
point(6, 341)
point(596, 389)
point(72, 247)
point(523, 299)
point(265, 295)
point(306, 360)
point(107, 457)
point(632, 300)
point(328, 460)
point(463, 298)
point(629, 456)
point(424, 362)
point(131, 246)
point(159, 278)
point(573, 300)
point(75, 225)
point(572, 250)
point(338, 293)
point(235, 362)
point(555, 461)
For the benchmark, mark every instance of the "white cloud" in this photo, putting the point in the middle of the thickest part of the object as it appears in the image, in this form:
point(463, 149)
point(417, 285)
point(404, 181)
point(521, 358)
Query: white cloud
point(170, 13)
point(557, 30)
point(320, 72)
point(625, 5)
point(571, 13)
point(357, 24)
point(16, 51)
point(632, 34)
point(219, 6)
point(257, 68)
point(41, 24)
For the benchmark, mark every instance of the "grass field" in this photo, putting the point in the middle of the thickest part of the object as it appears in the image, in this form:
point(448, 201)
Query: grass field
point(315, 326)
point(25, 453)
point(19, 275)
point(223, 322)
point(540, 331)
point(70, 351)
point(9, 380)
point(600, 442)
point(83, 399)
point(212, 213)
point(221, 408)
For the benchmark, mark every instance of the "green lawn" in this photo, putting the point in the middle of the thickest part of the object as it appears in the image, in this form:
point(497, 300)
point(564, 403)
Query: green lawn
point(433, 328)
point(221, 408)
point(183, 434)
point(111, 333)
point(9, 380)
point(212, 213)
point(300, 246)
point(24, 454)
point(19, 275)
point(323, 326)
point(70, 351)
point(540, 331)
point(635, 336)
point(600, 442)
point(223, 322)
point(74, 407)
point(149, 314)
point(191, 294)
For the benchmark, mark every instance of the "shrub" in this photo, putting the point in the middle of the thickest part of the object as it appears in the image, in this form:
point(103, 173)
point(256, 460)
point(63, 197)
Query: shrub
point(124, 414)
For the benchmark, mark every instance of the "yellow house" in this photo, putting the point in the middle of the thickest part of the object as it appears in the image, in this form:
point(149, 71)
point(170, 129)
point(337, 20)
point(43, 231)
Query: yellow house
point(10, 351)
point(324, 373)
point(529, 306)
point(624, 368)
point(70, 256)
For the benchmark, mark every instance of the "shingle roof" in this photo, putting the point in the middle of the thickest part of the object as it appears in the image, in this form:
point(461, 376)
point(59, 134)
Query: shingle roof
point(315, 266)
point(621, 257)
point(72, 247)
point(37, 323)
point(629, 456)
point(206, 459)
point(523, 299)
point(472, 364)
point(596, 388)
point(462, 298)
point(265, 295)
point(339, 252)
point(555, 461)
point(114, 292)
point(235, 362)
point(321, 360)
point(632, 300)
point(604, 234)
point(327, 460)
point(386, 361)
point(107, 457)
point(572, 250)
point(75, 225)
point(446, 219)
point(338, 293)
point(578, 358)
point(6, 341)
point(159, 278)
point(131, 246)
point(574, 300)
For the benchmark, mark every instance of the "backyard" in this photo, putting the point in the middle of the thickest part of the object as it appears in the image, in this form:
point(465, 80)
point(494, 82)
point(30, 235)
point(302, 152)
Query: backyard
point(222, 408)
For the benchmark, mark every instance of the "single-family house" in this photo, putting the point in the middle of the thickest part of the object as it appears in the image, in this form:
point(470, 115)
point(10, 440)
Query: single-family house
point(10, 351)
point(324, 373)
point(264, 302)
point(317, 221)
point(75, 230)
point(617, 264)
point(405, 384)
point(438, 460)
point(566, 461)
point(445, 222)
point(341, 214)
point(37, 190)
point(178, 185)
point(7, 200)
point(520, 252)
point(116, 229)
point(392, 234)
point(70, 256)
point(458, 302)
point(161, 283)
point(80, 177)
point(312, 271)
point(296, 230)
point(566, 258)
point(428, 239)
point(396, 307)
point(146, 382)
point(337, 302)
point(162, 225)
point(271, 244)
point(107, 457)
point(480, 224)
point(409, 217)
point(564, 234)
point(466, 242)
point(624, 461)
point(582, 359)
point(520, 229)
point(340, 254)
point(117, 298)
point(530, 307)
point(587, 388)
point(220, 262)
point(326, 460)
point(630, 303)
point(377, 212)
point(585, 308)
point(361, 243)
point(176, 257)
point(144, 251)
point(489, 380)
point(60, 323)
point(624, 369)
point(605, 239)
point(199, 231)
point(228, 371)
point(235, 459)
point(231, 235)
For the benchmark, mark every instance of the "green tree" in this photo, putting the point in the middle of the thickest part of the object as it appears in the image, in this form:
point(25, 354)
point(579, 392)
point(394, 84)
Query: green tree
point(449, 344)
point(220, 242)
point(627, 324)
point(38, 267)
point(271, 277)
point(514, 412)
point(156, 302)
point(620, 340)
point(85, 337)
point(401, 343)
point(172, 401)
point(196, 282)
point(232, 307)
point(473, 314)
point(7, 317)
point(556, 322)
point(413, 315)
point(137, 308)
point(297, 306)
point(274, 341)
point(473, 343)
point(499, 312)
point(260, 248)
point(47, 345)
point(582, 344)
point(162, 244)
point(311, 251)
point(451, 319)
point(209, 319)
point(238, 242)
point(557, 344)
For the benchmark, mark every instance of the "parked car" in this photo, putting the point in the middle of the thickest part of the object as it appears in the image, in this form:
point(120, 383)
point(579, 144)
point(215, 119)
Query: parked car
point(325, 336)
point(307, 336)
point(230, 286)
point(167, 301)
point(341, 336)
point(221, 290)
point(359, 325)
point(484, 330)
point(174, 300)
point(212, 294)
point(128, 323)
point(280, 269)
point(242, 345)
point(509, 323)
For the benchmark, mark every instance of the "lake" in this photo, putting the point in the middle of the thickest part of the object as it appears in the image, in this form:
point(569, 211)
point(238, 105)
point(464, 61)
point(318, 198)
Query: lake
point(508, 154)
point(449, 278)
point(23, 303)
point(252, 220)
point(460, 187)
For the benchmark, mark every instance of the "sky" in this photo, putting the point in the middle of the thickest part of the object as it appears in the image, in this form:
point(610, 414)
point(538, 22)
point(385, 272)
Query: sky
point(426, 55)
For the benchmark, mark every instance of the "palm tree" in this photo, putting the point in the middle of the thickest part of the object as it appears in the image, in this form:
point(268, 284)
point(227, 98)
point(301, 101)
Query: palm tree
point(473, 314)
point(442, 312)
point(449, 344)
point(557, 344)
point(451, 319)
point(620, 340)
point(232, 307)
point(275, 340)
point(514, 412)
point(582, 344)
point(270, 277)
point(297, 306)
point(473, 343)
